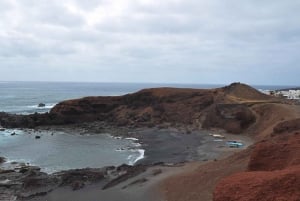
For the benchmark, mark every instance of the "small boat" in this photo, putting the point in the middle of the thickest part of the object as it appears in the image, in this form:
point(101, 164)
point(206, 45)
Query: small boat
point(234, 144)
point(217, 136)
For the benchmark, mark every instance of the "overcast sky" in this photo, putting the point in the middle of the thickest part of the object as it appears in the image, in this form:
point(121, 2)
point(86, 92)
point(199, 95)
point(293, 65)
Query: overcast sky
point(162, 41)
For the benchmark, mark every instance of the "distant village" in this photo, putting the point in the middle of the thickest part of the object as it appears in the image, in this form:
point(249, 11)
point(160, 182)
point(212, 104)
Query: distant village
point(293, 94)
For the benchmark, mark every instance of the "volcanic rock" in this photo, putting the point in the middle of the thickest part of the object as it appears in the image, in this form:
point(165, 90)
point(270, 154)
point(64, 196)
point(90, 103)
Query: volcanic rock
point(260, 186)
point(2, 160)
point(41, 105)
point(276, 153)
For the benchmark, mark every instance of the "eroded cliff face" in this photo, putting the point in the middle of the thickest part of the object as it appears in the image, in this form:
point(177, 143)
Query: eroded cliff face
point(146, 107)
point(273, 169)
point(234, 118)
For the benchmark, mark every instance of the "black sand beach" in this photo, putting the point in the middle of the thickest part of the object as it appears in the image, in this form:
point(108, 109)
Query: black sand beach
point(166, 152)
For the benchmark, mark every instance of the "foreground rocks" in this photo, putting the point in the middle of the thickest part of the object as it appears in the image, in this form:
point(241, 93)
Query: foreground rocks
point(28, 181)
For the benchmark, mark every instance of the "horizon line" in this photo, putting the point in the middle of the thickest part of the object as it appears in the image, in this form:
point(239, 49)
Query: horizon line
point(160, 83)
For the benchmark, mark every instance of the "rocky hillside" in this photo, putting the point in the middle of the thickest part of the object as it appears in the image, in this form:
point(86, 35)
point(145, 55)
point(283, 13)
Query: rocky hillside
point(225, 107)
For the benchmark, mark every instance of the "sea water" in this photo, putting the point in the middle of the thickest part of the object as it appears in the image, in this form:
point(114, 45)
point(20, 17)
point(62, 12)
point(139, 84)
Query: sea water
point(57, 150)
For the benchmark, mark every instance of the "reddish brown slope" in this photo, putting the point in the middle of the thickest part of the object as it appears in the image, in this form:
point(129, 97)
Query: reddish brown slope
point(273, 170)
point(260, 186)
point(276, 153)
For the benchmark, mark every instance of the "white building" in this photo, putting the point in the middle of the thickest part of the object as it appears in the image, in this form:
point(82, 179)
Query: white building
point(290, 94)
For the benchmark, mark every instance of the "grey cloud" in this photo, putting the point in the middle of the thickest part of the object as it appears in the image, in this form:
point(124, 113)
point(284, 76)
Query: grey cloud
point(25, 47)
point(5, 5)
point(190, 41)
point(46, 12)
point(91, 4)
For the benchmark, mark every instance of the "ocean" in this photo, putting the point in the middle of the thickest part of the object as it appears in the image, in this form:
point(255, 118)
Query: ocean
point(59, 150)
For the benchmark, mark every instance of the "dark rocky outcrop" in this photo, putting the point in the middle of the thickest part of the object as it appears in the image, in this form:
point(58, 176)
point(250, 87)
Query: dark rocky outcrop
point(79, 177)
point(2, 159)
point(147, 107)
point(41, 105)
point(127, 172)
point(233, 118)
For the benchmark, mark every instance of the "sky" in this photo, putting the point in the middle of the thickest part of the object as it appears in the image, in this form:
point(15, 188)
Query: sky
point(169, 41)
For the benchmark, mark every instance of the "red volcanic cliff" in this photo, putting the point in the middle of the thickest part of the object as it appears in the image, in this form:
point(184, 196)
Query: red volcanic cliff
point(276, 153)
point(273, 170)
point(260, 186)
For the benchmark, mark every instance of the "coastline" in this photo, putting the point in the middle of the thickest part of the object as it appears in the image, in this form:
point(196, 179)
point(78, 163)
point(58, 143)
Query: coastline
point(168, 123)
